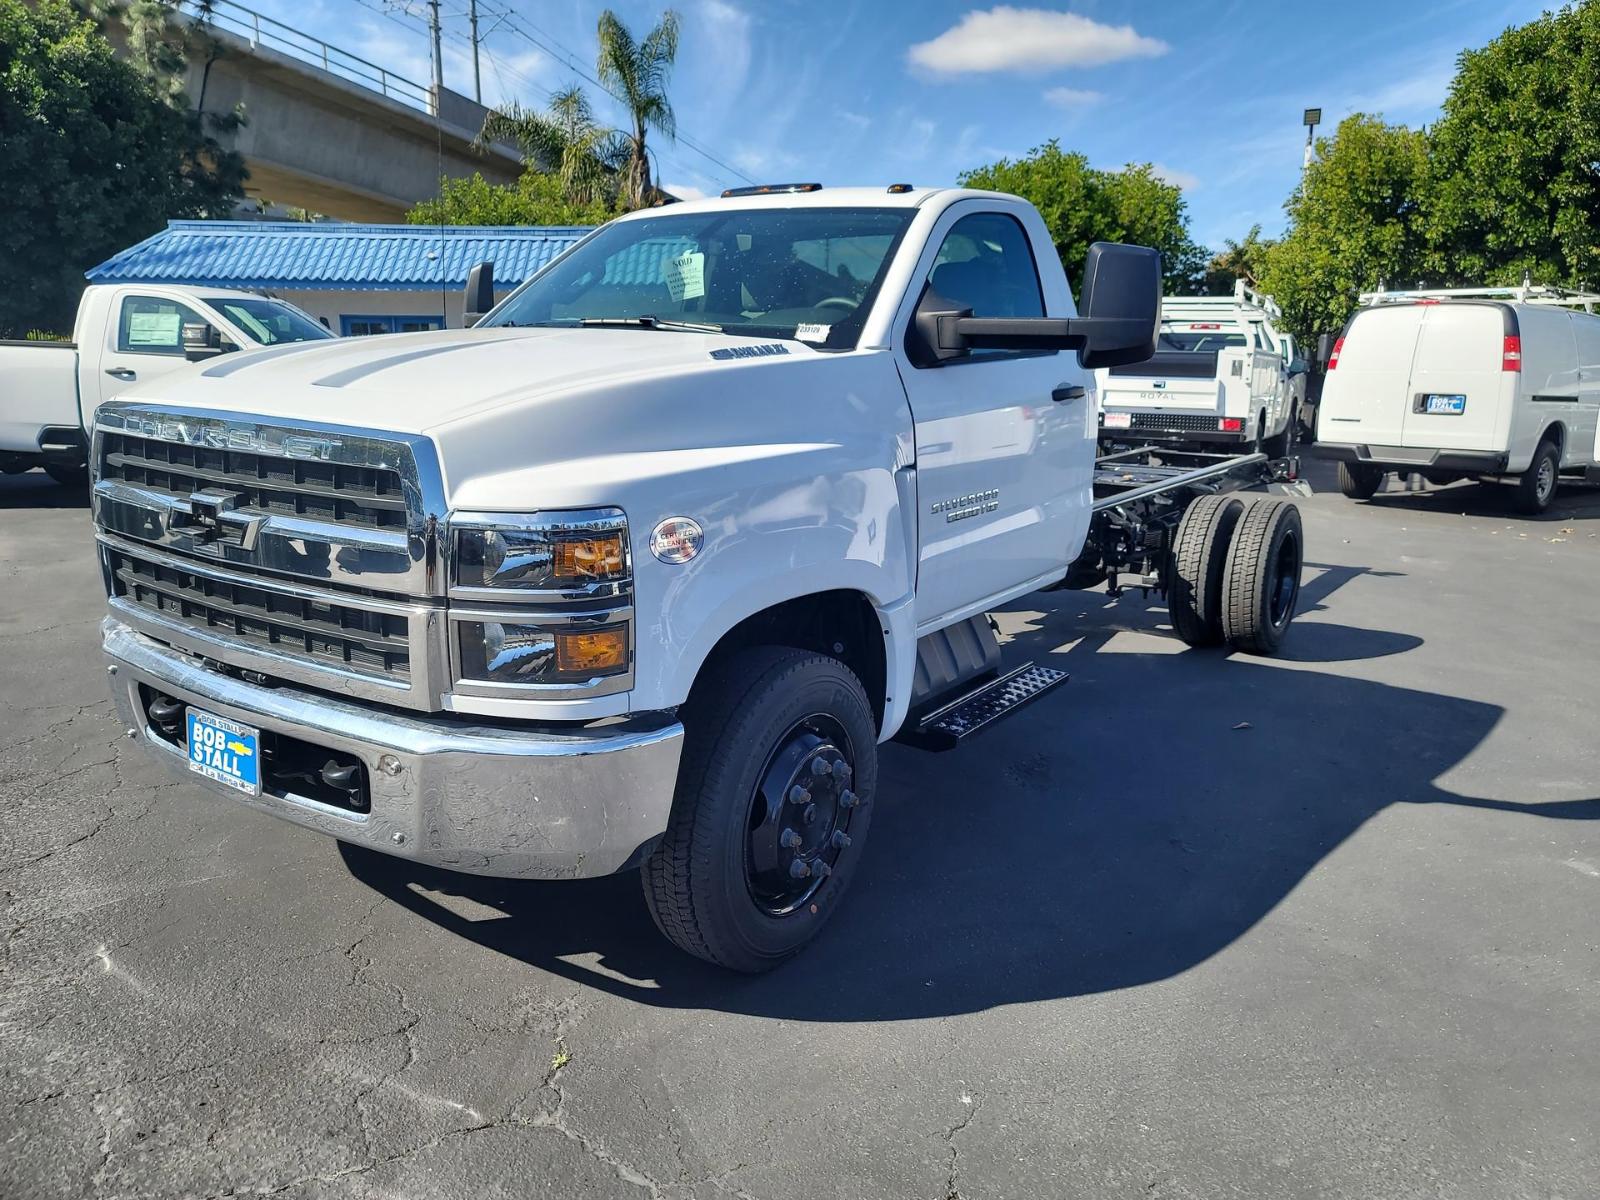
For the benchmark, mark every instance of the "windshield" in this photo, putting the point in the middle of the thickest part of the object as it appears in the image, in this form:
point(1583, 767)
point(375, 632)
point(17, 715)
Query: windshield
point(269, 321)
point(1199, 336)
point(805, 273)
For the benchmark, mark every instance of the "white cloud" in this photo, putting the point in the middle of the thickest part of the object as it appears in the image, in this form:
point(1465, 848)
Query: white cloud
point(859, 120)
point(757, 160)
point(1177, 178)
point(727, 41)
point(686, 191)
point(1029, 39)
point(1065, 97)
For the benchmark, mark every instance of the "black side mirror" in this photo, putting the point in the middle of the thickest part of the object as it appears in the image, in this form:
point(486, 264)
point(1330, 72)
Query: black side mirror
point(1121, 298)
point(480, 293)
point(1297, 366)
point(1120, 315)
point(201, 341)
point(1325, 349)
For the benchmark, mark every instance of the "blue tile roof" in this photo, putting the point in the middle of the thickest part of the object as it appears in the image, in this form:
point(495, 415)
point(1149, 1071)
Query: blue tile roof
point(333, 257)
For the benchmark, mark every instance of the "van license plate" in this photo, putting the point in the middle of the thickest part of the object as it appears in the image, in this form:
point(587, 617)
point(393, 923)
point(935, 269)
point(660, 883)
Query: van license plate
point(1119, 420)
point(1447, 405)
point(225, 751)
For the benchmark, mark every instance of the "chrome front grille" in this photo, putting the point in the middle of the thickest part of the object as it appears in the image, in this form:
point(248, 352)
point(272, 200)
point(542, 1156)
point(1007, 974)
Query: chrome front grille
point(308, 553)
point(335, 631)
point(366, 497)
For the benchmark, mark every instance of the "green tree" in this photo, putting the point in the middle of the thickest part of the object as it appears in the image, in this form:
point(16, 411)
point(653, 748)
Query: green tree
point(1515, 160)
point(636, 73)
point(535, 199)
point(94, 158)
point(1235, 261)
point(585, 155)
point(1083, 204)
point(1355, 219)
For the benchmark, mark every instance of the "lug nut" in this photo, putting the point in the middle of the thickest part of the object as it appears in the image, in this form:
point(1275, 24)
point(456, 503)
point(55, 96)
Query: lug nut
point(848, 799)
point(798, 795)
point(821, 767)
point(823, 870)
point(798, 869)
point(841, 839)
point(788, 839)
point(843, 771)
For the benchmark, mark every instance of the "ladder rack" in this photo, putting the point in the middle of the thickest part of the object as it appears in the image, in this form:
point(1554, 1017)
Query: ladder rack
point(1527, 293)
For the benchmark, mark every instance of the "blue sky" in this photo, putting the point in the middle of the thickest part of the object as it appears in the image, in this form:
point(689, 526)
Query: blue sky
point(855, 91)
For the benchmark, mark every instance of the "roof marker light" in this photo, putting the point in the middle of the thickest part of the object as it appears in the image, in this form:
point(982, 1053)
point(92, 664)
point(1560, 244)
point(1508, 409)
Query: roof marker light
point(899, 189)
point(771, 189)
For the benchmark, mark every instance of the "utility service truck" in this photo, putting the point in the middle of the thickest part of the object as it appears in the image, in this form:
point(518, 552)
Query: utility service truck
point(1497, 384)
point(1223, 375)
point(123, 333)
point(642, 569)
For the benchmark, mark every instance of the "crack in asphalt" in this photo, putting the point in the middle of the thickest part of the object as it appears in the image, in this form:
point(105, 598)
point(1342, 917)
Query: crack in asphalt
point(952, 1190)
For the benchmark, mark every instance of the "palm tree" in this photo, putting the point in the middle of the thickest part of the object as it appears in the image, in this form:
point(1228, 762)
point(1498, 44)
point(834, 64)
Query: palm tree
point(636, 73)
point(566, 139)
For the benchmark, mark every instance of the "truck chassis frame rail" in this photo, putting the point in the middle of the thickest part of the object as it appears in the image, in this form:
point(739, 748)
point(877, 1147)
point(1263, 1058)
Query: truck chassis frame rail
point(1140, 496)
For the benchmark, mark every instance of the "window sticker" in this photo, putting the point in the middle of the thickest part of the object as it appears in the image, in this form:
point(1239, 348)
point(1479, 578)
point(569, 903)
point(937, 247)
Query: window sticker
point(154, 328)
point(811, 333)
point(685, 275)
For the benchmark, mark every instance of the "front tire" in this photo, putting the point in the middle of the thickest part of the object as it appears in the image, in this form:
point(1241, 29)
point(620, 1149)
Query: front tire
point(775, 794)
point(1537, 487)
point(1359, 481)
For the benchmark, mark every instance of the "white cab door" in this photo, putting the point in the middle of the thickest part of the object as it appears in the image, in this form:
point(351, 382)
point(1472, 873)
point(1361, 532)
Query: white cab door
point(1004, 470)
point(143, 339)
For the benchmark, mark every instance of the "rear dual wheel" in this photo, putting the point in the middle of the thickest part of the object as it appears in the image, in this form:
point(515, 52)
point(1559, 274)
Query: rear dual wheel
point(771, 811)
point(1234, 573)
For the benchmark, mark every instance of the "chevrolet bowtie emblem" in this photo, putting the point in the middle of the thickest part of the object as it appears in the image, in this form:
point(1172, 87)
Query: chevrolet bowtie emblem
point(213, 511)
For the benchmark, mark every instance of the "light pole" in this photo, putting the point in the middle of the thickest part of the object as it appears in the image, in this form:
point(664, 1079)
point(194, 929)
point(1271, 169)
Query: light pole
point(1312, 118)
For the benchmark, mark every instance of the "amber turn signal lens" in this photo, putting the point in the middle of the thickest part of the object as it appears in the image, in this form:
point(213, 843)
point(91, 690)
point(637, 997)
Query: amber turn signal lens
point(592, 651)
point(589, 558)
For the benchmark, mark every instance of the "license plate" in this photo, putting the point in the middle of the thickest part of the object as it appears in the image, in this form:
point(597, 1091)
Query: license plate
point(1446, 405)
point(1119, 420)
point(225, 751)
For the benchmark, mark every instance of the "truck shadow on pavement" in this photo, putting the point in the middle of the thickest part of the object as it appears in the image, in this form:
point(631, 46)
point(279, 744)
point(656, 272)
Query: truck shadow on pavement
point(1573, 502)
point(35, 489)
point(1056, 855)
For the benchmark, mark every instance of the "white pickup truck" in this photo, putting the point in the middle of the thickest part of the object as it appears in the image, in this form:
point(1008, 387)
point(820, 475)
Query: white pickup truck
point(123, 333)
point(642, 569)
point(1223, 375)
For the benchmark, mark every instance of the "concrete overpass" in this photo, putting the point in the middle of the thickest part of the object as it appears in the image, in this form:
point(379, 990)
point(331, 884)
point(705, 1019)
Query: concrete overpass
point(331, 132)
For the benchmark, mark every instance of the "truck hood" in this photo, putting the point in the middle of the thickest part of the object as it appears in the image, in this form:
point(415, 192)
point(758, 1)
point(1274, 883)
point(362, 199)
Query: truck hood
point(425, 382)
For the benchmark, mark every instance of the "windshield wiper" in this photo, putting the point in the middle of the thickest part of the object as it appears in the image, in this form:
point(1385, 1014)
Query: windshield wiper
point(647, 322)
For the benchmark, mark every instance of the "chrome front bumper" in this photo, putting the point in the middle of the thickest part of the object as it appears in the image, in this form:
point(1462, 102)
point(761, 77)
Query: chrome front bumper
point(539, 802)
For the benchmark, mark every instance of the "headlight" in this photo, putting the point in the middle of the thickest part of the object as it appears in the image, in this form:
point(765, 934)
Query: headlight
point(573, 552)
point(509, 652)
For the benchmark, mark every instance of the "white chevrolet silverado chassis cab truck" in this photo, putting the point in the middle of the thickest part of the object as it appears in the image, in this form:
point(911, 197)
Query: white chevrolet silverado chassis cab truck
point(642, 569)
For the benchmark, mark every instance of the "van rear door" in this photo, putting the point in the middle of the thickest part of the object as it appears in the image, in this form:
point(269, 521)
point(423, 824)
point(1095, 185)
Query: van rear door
point(1364, 398)
point(1458, 382)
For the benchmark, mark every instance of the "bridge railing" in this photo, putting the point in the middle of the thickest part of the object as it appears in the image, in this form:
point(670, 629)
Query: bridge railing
point(261, 30)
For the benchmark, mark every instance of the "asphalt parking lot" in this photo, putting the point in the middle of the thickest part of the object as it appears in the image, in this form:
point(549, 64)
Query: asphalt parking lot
point(1191, 926)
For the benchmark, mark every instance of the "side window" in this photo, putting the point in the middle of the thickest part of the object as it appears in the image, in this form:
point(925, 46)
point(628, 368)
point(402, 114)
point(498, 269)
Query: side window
point(151, 325)
point(986, 264)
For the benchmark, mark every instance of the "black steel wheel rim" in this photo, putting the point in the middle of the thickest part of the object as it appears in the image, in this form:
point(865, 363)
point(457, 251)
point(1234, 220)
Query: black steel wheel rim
point(1286, 581)
point(800, 812)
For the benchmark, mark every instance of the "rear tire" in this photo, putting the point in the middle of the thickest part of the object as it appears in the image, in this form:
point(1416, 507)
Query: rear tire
point(1280, 445)
point(1359, 481)
point(1537, 487)
point(1194, 571)
point(1261, 584)
point(720, 884)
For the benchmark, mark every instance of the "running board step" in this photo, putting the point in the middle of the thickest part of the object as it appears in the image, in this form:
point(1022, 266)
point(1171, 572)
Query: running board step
point(949, 725)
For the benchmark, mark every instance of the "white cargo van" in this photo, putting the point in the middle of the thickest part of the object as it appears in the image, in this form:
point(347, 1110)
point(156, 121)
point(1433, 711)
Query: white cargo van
point(1496, 384)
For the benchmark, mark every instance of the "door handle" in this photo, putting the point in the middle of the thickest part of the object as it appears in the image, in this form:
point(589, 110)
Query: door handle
point(124, 373)
point(1067, 391)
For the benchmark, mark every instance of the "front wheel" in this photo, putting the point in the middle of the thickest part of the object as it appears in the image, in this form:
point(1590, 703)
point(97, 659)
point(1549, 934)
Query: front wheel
point(774, 797)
